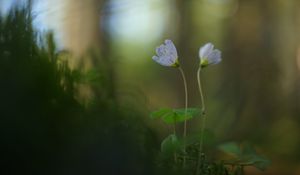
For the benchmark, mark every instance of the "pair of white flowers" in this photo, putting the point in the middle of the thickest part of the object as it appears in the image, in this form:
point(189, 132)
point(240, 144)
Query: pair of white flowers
point(167, 55)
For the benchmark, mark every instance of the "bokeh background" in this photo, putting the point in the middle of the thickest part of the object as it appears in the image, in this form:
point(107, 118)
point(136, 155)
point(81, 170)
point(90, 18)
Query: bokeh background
point(81, 104)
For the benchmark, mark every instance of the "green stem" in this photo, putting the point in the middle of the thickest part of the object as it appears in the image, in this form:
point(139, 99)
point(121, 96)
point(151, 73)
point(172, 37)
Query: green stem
point(200, 90)
point(185, 113)
point(203, 121)
point(174, 128)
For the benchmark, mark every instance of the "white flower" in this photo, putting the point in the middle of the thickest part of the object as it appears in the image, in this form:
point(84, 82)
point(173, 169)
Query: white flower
point(167, 54)
point(208, 55)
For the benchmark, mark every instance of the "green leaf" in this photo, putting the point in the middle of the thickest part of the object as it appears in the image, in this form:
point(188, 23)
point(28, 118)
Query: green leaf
point(261, 163)
point(189, 111)
point(245, 154)
point(160, 113)
point(249, 154)
point(170, 145)
point(257, 161)
point(171, 116)
point(231, 148)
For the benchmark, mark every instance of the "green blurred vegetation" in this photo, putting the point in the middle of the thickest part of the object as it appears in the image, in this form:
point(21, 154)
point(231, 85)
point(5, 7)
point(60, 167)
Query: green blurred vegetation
point(44, 129)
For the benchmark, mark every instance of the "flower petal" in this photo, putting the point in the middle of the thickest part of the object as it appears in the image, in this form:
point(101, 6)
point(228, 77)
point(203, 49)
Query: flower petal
point(214, 57)
point(155, 58)
point(206, 50)
point(160, 51)
point(166, 54)
point(171, 49)
point(164, 60)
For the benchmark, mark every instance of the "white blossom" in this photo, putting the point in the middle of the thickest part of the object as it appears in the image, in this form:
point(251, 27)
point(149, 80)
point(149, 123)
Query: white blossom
point(167, 54)
point(208, 55)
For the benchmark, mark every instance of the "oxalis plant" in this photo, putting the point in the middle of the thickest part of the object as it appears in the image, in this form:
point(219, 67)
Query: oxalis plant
point(183, 152)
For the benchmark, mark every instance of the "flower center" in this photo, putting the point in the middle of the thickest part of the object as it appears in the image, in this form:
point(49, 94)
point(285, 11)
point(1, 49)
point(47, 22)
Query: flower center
point(203, 62)
point(176, 64)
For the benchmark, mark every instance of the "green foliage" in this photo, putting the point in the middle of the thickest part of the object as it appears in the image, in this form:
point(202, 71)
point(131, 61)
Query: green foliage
point(92, 76)
point(175, 151)
point(171, 145)
point(172, 116)
point(244, 155)
point(44, 128)
point(231, 148)
point(186, 151)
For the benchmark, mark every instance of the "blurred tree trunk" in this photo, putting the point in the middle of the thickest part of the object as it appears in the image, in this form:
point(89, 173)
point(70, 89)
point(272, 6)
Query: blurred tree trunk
point(286, 15)
point(82, 29)
point(85, 37)
point(260, 76)
point(251, 72)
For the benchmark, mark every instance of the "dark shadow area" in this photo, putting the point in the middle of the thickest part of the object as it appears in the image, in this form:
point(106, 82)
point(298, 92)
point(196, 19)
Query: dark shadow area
point(45, 130)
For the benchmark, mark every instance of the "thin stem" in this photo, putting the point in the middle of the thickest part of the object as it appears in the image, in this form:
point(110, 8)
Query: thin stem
point(185, 113)
point(174, 129)
point(204, 119)
point(200, 90)
point(203, 109)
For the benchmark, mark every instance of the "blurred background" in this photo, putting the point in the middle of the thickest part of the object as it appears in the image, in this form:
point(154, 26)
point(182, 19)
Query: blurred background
point(77, 100)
